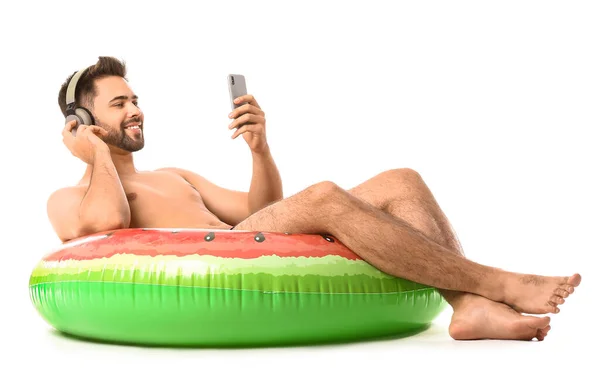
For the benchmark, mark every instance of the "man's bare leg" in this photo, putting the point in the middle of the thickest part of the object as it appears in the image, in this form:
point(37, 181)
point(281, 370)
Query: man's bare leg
point(403, 194)
point(394, 247)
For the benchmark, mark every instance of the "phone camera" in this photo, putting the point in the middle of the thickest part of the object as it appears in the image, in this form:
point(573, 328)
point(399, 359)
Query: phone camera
point(232, 81)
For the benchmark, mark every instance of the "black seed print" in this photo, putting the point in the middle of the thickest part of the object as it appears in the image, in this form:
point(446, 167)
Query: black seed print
point(259, 237)
point(328, 238)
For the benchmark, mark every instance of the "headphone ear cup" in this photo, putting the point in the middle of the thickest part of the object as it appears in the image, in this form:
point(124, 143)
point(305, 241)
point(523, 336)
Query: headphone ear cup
point(76, 118)
point(86, 118)
point(72, 117)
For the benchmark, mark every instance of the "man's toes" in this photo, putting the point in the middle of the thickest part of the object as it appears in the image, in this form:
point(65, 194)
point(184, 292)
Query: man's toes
point(552, 307)
point(556, 299)
point(574, 280)
point(545, 331)
point(562, 292)
point(540, 337)
point(535, 322)
point(542, 333)
point(568, 288)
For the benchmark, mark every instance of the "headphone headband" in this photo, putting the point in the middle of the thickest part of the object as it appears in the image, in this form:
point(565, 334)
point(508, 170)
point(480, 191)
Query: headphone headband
point(80, 114)
point(71, 88)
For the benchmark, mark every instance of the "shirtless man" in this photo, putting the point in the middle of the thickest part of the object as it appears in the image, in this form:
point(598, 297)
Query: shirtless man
point(391, 220)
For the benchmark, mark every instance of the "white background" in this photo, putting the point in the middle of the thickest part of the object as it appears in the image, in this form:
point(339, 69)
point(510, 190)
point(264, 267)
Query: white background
point(495, 104)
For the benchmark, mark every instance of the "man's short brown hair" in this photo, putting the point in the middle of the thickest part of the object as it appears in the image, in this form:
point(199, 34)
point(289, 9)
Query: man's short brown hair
point(86, 87)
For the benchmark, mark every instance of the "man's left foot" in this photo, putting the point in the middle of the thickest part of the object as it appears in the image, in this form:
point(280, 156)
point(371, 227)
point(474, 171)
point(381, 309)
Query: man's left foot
point(476, 317)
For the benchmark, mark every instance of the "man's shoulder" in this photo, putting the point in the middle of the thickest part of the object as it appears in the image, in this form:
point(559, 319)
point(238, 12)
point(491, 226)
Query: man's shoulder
point(66, 192)
point(185, 173)
point(169, 169)
point(176, 172)
point(173, 169)
point(192, 177)
point(69, 189)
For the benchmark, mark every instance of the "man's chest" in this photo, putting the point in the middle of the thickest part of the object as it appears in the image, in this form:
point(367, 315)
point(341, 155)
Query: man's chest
point(159, 193)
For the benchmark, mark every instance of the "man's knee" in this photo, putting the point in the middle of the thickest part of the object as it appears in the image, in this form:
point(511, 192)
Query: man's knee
point(399, 184)
point(323, 191)
point(402, 175)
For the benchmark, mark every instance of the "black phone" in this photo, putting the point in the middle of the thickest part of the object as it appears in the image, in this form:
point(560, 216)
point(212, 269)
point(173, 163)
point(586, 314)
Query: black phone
point(237, 88)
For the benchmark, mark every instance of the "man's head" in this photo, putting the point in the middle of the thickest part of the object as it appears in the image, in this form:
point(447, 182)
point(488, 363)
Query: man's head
point(104, 90)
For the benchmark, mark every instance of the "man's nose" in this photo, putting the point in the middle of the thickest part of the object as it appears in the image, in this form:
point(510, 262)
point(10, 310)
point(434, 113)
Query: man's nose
point(134, 111)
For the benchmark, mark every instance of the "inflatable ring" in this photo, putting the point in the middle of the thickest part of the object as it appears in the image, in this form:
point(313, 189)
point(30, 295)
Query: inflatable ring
point(200, 287)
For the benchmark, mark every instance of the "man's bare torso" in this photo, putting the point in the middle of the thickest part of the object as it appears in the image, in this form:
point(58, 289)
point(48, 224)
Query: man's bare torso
point(162, 199)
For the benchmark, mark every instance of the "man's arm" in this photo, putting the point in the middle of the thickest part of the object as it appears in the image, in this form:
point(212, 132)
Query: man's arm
point(266, 186)
point(79, 211)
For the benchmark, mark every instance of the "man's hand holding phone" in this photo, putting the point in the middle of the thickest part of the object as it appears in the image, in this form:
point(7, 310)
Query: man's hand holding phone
point(87, 141)
point(250, 122)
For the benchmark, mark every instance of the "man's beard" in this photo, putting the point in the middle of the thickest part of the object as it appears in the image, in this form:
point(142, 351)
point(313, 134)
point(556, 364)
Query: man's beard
point(121, 140)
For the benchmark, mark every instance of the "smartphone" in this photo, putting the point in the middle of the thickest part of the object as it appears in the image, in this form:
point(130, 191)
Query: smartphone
point(237, 88)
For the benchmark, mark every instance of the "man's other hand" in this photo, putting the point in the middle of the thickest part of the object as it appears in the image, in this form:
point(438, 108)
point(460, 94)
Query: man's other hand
point(250, 122)
point(86, 142)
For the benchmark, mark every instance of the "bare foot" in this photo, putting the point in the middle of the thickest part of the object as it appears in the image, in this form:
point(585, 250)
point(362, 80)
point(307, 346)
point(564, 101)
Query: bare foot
point(476, 317)
point(539, 294)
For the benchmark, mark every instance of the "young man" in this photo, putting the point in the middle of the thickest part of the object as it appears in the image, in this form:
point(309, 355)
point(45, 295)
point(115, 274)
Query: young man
point(391, 220)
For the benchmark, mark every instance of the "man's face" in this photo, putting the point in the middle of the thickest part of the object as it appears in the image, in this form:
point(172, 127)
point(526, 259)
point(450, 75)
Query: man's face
point(116, 110)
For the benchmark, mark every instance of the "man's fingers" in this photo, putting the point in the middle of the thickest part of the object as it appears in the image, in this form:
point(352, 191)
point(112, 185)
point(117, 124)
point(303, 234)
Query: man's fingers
point(67, 131)
point(247, 128)
point(246, 118)
point(98, 130)
point(246, 109)
point(80, 129)
point(247, 98)
point(69, 126)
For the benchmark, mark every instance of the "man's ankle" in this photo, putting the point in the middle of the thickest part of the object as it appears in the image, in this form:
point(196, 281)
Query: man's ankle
point(494, 285)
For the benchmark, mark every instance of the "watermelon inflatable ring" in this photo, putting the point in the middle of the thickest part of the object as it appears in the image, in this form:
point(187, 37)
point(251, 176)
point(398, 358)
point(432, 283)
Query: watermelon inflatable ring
point(202, 287)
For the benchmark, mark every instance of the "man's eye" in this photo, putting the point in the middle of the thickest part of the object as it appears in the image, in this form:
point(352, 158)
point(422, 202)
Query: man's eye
point(135, 103)
point(119, 104)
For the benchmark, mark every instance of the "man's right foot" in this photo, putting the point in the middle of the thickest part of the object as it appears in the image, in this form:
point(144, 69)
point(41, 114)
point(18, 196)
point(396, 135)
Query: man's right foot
point(538, 294)
point(476, 317)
